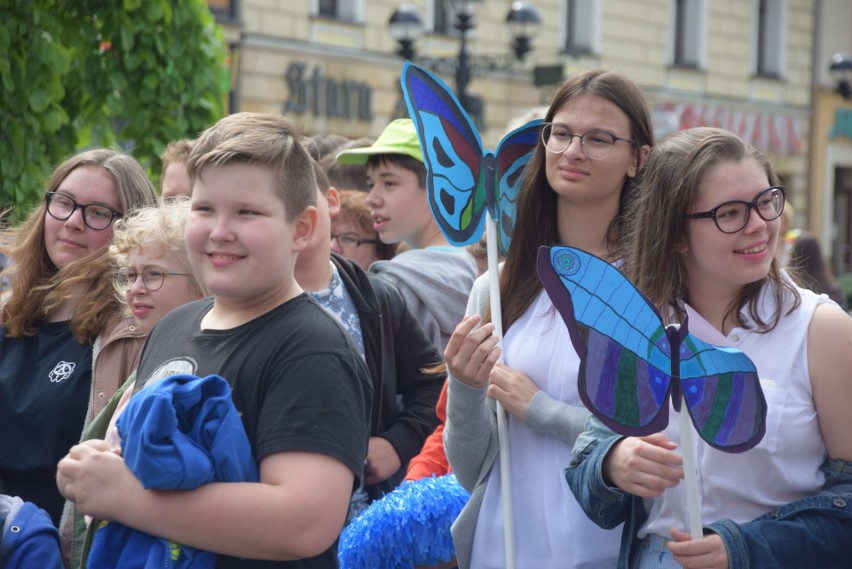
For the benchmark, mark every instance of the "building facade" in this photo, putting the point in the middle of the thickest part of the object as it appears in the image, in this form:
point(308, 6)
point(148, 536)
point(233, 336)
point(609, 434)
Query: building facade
point(830, 182)
point(744, 65)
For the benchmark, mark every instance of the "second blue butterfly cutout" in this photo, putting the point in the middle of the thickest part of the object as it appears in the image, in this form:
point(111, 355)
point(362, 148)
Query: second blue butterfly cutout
point(631, 364)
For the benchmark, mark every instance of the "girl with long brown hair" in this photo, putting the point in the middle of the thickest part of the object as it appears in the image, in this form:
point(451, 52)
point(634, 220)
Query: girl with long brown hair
point(58, 307)
point(595, 137)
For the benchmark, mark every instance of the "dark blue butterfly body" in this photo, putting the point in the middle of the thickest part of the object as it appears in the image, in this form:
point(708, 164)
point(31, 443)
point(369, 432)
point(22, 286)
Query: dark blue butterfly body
point(464, 180)
point(631, 364)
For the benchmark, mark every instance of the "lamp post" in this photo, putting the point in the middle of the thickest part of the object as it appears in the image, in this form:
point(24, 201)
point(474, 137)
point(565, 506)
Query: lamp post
point(841, 70)
point(406, 27)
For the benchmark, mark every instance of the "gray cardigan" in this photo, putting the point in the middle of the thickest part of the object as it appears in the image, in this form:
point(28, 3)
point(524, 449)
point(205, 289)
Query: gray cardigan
point(470, 434)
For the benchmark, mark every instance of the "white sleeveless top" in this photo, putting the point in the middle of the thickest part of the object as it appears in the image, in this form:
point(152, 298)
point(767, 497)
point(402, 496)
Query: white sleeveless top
point(551, 530)
point(744, 486)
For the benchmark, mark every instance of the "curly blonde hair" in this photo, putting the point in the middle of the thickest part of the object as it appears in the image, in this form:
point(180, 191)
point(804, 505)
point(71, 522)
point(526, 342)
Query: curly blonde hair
point(156, 231)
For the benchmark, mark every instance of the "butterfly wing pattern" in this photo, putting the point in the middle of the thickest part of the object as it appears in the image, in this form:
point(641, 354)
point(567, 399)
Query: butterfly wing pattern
point(513, 153)
point(722, 392)
point(464, 180)
point(452, 150)
point(631, 363)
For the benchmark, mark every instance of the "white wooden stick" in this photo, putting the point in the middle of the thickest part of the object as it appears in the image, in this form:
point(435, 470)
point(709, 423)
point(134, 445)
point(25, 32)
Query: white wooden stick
point(689, 472)
point(502, 421)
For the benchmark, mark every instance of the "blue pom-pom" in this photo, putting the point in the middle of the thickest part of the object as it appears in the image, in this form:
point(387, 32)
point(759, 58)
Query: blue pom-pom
point(408, 527)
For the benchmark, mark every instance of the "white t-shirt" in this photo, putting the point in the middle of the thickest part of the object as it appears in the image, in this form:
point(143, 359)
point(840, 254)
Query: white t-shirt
point(551, 530)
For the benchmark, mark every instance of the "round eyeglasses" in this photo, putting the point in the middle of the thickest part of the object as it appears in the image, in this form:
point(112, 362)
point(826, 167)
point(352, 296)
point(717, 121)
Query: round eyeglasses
point(732, 216)
point(152, 278)
point(95, 216)
point(596, 143)
point(351, 239)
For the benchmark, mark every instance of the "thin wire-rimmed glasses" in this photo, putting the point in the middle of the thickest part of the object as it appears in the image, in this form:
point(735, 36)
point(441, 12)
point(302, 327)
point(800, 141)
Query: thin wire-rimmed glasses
point(351, 239)
point(596, 143)
point(95, 216)
point(152, 278)
point(732, 216)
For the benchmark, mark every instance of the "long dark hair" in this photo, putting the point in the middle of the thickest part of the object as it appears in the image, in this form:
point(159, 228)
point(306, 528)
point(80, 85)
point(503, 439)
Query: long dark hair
point(536, 223)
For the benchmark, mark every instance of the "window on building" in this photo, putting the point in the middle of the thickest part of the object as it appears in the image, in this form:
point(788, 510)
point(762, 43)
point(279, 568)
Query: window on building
point(328, 8)
point(351, 10)
point(442, 14)
point(581, 26)
point(224, 10)
point(442, 23)
point(690, 31)
point(770, 38)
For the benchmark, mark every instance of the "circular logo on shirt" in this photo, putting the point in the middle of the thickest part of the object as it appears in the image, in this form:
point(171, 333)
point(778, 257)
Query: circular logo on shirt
point(63, 370)
point(176, 366)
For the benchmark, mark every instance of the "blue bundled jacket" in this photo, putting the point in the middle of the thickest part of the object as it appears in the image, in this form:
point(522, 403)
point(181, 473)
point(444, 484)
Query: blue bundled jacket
point(28, 537)
point(178, 434)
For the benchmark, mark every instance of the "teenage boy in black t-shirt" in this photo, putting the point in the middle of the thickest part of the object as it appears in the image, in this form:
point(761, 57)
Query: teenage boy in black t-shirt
point(299, 383)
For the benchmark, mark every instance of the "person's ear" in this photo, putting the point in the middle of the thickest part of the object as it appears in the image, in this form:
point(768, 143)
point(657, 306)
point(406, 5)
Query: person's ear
point(639, 158)
point(303, 228)
point(333, 201)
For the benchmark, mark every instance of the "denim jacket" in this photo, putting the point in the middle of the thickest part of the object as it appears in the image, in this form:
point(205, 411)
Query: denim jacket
point(816, 531)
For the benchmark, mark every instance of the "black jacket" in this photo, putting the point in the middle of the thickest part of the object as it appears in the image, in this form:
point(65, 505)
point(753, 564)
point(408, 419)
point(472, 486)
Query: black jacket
point(397, 350)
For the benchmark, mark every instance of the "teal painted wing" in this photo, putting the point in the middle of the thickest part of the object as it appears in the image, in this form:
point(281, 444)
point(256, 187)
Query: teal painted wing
point(453, 153)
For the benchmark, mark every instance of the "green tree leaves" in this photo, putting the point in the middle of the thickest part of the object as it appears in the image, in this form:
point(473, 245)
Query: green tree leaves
point(102, 73)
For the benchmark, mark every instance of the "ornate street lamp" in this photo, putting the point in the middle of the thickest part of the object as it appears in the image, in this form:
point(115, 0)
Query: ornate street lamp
point(841, 71)
point(406, 27)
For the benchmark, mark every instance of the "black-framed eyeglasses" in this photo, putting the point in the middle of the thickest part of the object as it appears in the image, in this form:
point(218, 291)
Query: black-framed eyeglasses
point(95, 216)
point(351, 239)
point(596, 143)
point(732, 216)
point(152, 278)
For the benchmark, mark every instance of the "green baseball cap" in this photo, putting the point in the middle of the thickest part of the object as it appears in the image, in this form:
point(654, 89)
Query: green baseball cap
point(399, 137)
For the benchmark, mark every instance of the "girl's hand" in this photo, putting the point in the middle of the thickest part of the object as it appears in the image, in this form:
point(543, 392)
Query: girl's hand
point(709, 552)
point(471, 355)
point(513, 389)
point(643, 466)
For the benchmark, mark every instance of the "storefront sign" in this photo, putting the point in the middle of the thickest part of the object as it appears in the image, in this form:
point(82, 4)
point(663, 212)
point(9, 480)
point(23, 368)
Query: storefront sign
point(326, 97)
point(768, 131)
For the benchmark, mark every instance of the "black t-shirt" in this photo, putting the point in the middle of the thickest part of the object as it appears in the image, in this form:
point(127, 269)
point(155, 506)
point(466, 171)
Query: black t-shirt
point(298, 382)
point(45, 382)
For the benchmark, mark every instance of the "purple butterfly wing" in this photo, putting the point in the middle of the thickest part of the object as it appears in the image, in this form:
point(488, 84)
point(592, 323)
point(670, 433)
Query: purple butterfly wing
point(630, 363)
point(624, 349)
point(722, 392)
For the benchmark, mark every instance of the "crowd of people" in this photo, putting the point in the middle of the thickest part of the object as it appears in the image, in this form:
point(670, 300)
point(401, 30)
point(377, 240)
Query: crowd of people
point(359, 351)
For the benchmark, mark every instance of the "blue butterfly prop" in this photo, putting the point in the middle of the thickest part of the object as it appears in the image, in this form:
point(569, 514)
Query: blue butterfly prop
point(462, 179)
point(630, 363)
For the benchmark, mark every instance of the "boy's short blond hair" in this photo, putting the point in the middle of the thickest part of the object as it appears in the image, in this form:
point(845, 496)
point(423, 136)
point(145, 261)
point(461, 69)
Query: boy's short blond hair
point(176, 151)
point(263, 139)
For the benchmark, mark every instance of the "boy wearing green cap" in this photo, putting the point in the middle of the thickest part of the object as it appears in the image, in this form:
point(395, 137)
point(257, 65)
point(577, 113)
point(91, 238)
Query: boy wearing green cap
point(434, 277)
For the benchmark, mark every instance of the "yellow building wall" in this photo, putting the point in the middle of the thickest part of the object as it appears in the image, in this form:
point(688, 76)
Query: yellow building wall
point(635, 38)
